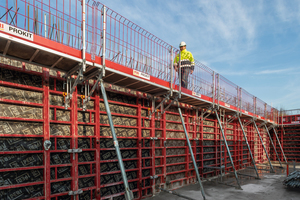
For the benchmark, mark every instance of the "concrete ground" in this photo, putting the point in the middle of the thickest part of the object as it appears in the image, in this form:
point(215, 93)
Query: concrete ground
point(270, 187)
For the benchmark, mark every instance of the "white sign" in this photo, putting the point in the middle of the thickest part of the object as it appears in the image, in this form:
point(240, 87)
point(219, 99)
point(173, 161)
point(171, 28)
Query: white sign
point(246, 112)
point(196, 94)
point(141, 74)
point(295, 122)
point(16, 31)
point(227, 105)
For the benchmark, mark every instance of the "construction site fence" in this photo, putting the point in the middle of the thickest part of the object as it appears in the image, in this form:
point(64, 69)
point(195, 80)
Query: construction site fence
point(126, 43)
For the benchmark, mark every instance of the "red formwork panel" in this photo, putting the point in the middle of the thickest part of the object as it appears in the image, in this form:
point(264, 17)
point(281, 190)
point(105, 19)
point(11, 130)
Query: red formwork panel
point(289, 120)
point(289, 136)
point(32, 111)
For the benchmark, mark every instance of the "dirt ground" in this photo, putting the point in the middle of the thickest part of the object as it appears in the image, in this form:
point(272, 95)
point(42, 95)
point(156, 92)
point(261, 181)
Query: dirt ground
point(270, 187)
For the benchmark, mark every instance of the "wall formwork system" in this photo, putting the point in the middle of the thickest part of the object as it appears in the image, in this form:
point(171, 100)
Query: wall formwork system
point(32, 100)
point(33, 110)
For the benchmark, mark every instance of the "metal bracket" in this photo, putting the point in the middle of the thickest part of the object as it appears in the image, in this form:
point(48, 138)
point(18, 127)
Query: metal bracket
point(74, 193)
point(72, 88)
point(262, 124)
point(167, 97)
point(130, 195)
point(88, 93)
point(166, 108)
point(232, 118)
point(154, 177)
point(74, 151)
point(203, 116)
point(249, 122)
point(272, 126)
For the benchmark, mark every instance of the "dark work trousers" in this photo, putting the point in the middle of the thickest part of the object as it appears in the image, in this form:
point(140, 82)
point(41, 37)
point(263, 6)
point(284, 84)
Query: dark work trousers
point(185, 71)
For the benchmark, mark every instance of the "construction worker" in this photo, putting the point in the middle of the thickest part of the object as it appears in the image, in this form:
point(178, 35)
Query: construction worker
point(187, 64)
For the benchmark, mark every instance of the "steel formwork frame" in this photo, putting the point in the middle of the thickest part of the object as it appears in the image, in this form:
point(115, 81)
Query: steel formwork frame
point(152, 139)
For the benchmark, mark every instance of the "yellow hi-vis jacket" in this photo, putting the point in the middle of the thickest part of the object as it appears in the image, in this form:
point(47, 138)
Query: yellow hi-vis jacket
point(187, 59)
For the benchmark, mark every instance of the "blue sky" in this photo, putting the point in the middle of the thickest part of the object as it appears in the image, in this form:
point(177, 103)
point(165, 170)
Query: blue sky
point(254, 44)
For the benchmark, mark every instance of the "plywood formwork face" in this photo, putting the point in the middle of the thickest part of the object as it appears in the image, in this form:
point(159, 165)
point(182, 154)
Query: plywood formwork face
point(32, 111)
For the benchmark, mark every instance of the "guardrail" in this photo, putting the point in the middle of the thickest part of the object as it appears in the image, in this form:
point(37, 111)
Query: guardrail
point(126, 43)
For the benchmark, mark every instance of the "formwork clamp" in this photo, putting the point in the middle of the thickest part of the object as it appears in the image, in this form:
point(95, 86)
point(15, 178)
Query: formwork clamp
point(154, 177)
point(74, 193)
point(74, 151)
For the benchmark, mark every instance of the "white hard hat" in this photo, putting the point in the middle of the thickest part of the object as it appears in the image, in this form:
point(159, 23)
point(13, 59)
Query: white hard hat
point(182, 44)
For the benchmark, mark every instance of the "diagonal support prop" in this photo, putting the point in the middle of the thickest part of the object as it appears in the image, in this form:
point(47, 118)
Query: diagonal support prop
point(273, 145)
point(192, 154)
point(228, 151)
point(128, 192)
point(279, 145)
point(253, 161)
point(262, 142)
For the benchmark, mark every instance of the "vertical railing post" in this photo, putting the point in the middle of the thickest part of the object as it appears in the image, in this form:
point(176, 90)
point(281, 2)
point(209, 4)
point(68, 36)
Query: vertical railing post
point(45, 24)
point(254, 105)
point(103, 40)
point(179, 68)
point(265, 111)
point(218, 90)
point(240, 99)
point(171, 65)
point(83, 36)
point(214, 89)
point(192, 154)
point(262, 142)
point(237, 97)
point(128, 192)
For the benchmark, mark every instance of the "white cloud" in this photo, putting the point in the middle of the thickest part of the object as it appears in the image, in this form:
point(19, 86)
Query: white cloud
point(288, 10)
point(273, 71)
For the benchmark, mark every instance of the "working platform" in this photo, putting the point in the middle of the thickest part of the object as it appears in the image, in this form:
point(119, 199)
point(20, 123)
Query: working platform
point(128, 63)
